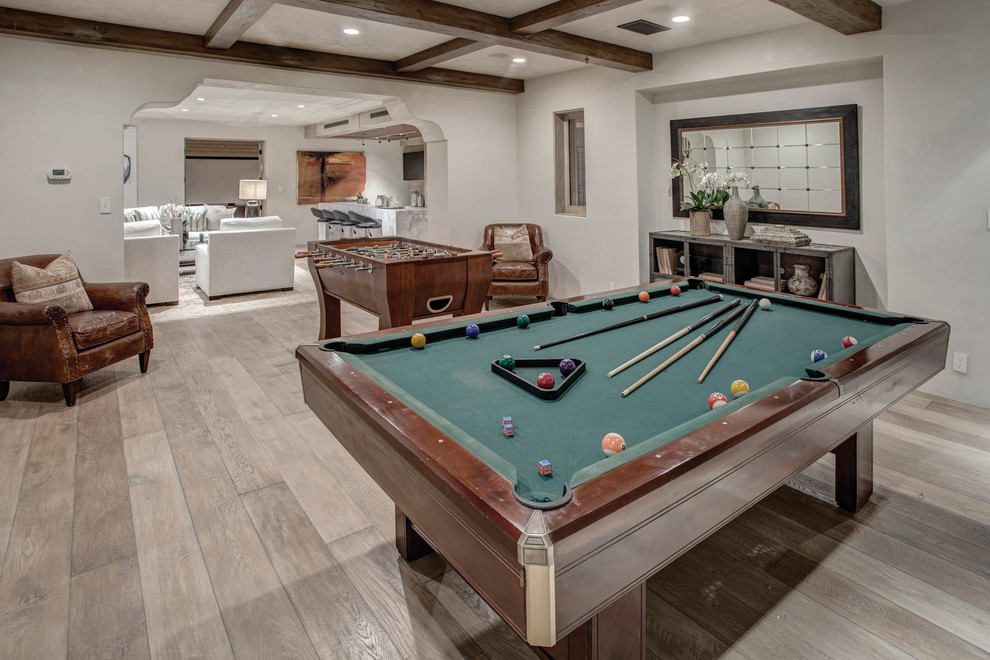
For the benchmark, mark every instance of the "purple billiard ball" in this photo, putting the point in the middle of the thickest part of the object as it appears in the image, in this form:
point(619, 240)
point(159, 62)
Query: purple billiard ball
point(472, 331)
point(566, 366)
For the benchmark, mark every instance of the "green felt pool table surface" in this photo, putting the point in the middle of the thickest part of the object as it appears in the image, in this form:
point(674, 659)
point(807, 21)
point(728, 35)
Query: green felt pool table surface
point(451, 384)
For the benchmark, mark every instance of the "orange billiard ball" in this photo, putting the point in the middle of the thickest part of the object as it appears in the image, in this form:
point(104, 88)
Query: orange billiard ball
point(717, 399)
point(613, 443)
point(644, 296)
point(675, 290)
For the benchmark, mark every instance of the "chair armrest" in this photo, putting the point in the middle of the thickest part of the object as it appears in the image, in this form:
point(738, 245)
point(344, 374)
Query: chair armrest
point(123, 296)
point(543, 255)
point(15, 313)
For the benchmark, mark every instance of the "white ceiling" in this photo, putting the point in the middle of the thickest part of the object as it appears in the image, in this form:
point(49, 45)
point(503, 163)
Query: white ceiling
point(711, 20)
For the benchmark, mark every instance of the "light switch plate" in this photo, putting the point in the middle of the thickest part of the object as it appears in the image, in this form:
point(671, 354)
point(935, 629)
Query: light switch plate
point(104, 205)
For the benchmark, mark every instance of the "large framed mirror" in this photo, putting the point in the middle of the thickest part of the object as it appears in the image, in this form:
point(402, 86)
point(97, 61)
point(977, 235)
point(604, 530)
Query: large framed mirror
point(802, 165)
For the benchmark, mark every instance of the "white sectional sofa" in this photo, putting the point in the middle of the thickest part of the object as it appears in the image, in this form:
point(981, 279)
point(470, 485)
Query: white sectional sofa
point(237, 260)
point(155, 260)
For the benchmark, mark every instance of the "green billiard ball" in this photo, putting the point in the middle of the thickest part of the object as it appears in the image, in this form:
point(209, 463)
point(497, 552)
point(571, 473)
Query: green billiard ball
point(507, 362)
point(522, 321)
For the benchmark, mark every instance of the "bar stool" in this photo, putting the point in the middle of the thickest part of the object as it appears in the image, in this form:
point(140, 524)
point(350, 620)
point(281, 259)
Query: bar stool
point(322, 224)
point(334, 223)
point(365, 223)
point(346, 224)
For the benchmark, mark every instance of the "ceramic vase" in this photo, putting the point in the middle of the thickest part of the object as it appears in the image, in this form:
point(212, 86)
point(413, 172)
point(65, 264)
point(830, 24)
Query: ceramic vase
point(802, 283)
point(701, 223)
point(757, 201)
point(736, 214)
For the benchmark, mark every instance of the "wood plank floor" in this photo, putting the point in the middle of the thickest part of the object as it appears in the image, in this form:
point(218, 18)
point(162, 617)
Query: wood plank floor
point(201, 510)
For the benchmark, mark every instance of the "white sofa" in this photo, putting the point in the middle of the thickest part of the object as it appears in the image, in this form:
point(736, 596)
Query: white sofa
point(154, 259)
point(245, 260)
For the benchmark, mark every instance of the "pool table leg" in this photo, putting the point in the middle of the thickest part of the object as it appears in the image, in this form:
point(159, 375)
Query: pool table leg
point(410, 544)
point(618, 631)
point(854, 469)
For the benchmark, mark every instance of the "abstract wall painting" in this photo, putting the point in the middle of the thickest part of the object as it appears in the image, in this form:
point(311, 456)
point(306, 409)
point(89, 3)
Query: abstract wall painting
point(329, 176)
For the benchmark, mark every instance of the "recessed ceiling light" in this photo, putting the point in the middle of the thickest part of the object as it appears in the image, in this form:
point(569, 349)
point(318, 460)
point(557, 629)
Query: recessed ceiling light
point(200, 99)
point(352, 31)
point(185, 109)
point(274, 115)
point(681, 19)
point(300, 106)
point(518, 60)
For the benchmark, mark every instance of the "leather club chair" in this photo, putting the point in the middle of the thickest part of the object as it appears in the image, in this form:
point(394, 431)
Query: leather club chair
point(519, 278)
point(40, 342)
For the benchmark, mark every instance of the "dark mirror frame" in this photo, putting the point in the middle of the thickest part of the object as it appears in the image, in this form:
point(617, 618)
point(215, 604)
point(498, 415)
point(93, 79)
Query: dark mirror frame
point(848, 117)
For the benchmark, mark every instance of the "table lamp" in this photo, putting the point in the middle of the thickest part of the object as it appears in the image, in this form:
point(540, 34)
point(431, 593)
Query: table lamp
point(252, 190)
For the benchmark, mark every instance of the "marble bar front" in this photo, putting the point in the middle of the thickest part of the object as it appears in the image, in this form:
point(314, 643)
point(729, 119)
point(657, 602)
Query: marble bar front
point(406, 221)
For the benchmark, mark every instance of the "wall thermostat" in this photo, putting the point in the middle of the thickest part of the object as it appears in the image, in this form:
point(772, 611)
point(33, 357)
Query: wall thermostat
point(59, 174)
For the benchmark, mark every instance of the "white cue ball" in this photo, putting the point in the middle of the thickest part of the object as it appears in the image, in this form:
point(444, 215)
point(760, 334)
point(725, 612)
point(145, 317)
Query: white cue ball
point(764, 303)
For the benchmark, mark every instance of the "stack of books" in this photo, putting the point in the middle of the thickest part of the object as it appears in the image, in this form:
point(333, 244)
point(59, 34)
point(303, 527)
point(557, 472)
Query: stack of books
point(761, 283)
point(712, 277)
point(780, 235)
point(667, 261)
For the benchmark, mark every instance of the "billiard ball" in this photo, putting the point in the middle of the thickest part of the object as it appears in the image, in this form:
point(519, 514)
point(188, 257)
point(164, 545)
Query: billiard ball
point(675, 290)
point(566, 366)
point(472, 331)
point(717, 399)
point(612, 444)
point(738, 388)
point(764, 303)
point(818, 355)
point(848, 342)
point(418, 340)
point(507, 362)
point(522, 321)
point(608, 304)
point(644, 296)
point(545, 380)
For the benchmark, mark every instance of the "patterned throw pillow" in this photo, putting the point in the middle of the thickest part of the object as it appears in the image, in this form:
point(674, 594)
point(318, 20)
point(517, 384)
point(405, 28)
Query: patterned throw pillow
point(514, 246)
point(58, 284)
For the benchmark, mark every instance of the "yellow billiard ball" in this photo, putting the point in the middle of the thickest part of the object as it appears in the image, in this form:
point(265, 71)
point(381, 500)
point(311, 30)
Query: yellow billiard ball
point(739, 387)
point(418, 340)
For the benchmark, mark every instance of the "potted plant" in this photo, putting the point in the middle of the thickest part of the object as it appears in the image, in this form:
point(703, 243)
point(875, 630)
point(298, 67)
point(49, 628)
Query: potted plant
point(710, 192)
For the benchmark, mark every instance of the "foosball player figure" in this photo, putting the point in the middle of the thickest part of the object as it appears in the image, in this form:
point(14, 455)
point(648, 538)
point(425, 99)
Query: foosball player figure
point(544, 468)
point(508, 428)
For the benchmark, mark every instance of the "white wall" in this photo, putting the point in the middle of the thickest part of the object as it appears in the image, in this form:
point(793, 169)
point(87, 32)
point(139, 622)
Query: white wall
point(928, 206)
point(161, 145)
point(65, 105)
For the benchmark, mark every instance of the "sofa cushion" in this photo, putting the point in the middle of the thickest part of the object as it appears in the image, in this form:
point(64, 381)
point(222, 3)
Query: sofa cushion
point(264, 222)
point(514, 270)
point(214, 214)
point(91, 329)
point(513, 244)
point(142, 228)
point(59, 283)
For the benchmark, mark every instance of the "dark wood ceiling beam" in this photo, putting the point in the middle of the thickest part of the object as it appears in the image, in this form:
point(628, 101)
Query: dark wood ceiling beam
point(448, 50)
point(845, 16)
point(491, 29)
point(560, 13)
point(235, 19)
point(112, 35)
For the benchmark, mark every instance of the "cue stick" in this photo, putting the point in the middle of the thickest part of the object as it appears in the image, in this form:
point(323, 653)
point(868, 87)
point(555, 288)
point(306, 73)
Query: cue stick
point(674, 337)
point(638, 319)
point(728, 340)
point(676, 356)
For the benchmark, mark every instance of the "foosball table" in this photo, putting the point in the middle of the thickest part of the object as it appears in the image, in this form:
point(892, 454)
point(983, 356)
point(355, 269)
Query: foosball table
point(397, 279)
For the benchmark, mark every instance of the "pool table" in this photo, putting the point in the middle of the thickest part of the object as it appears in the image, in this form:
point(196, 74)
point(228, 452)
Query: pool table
point(563, 558)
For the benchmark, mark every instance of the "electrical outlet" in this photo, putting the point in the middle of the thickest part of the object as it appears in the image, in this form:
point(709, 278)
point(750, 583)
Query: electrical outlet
point(960, 362)
point(611, 286)
point(104, 205)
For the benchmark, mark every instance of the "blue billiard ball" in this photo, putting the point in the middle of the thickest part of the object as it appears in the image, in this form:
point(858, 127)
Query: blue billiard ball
point(472, 331)
point(566, 366)
point(608, 304)
point(522, 321)
point(818, 355)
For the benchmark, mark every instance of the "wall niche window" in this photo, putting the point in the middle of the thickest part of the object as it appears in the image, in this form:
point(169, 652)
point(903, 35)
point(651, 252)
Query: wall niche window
point(214, 168)
point(569, 162)
point(804, 162)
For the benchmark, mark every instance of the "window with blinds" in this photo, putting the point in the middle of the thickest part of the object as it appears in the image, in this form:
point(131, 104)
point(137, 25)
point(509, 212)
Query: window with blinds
point(213, 168)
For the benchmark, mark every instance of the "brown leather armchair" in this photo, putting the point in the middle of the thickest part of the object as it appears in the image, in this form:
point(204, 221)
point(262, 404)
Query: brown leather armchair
point(519, 278)
point(40, 342)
